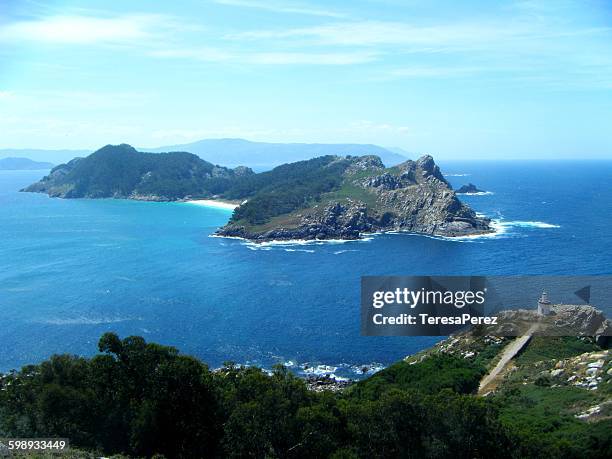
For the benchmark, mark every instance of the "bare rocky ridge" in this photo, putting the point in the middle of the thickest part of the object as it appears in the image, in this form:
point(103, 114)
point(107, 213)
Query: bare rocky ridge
point(564, 320)
point(411, 197)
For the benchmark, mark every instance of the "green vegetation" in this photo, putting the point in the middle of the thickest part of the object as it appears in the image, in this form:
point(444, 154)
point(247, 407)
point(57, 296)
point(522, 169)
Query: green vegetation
point(287, 193)
point(349, 190)
point(555, 347)
point(121, 171)
point(543, 420)
point(141, 399)
point(285, 188)
point(432, 375)
point(541, 409)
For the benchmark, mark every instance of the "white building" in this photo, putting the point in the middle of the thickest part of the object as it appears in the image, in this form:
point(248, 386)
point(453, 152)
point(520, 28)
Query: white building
point(544, 305)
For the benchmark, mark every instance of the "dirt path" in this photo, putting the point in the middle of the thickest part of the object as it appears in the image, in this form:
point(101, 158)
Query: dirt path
point(508, 354)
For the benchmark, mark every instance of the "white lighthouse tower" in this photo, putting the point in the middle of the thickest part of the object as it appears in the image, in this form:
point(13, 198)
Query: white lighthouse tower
point(544, 305)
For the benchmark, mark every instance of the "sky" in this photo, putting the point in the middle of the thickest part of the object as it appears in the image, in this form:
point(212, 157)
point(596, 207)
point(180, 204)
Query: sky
point(459, 80)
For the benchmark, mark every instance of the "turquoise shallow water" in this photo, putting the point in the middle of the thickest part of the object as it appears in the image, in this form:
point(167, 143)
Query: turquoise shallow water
point(73, 269)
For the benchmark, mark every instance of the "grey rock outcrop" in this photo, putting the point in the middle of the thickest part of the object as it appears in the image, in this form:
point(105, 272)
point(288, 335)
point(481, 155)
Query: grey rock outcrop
point(470, 188)
point(412, 197)
point(564, 320)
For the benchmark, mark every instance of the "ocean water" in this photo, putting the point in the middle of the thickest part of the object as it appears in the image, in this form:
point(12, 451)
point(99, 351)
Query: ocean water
point(71, 270)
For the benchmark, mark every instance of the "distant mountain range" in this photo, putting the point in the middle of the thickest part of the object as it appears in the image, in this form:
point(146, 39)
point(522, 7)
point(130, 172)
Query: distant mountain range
point(237, 152)
point(265, 155)
point(21, 164)
point(48, 156)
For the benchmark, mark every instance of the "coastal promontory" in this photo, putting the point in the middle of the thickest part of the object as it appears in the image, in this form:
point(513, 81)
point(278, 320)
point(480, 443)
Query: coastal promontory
point(346, 197)
point(119, 171)
point(329, 197)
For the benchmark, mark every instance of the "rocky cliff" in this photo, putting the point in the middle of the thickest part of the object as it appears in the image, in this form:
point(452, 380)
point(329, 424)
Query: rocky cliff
point(411, 197)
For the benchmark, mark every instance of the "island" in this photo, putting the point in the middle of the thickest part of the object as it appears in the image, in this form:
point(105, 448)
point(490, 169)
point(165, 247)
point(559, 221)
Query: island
point(470, 188)
point(23, 164)
point(329, 197)
point(121, 172)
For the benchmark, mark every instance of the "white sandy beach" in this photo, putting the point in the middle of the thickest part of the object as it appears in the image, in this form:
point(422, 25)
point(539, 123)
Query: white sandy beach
point(214, 203)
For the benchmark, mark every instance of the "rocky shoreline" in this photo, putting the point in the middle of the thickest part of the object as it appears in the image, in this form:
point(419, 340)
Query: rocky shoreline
point(312, 233)
point(326, 198)
point(415, 198)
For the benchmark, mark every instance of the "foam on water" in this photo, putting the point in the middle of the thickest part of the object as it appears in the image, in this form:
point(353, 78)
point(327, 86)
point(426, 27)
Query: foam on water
point(500, 229)
point(523, 224)
point(83, 320)
point(479, 193)
point(287, 244)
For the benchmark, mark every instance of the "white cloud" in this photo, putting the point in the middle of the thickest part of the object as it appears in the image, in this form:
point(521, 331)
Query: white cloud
point(280, 7)
point(301, 58)
point(514, 36)
point(199, 54)
point(437, 72)
point(84, 29)
point(372, 33)
point(267, 58)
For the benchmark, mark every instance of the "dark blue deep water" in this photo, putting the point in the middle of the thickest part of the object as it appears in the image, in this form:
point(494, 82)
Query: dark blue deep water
point(71, 270)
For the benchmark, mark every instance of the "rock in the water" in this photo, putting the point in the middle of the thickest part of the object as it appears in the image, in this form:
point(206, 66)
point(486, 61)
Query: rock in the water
point(470, 188)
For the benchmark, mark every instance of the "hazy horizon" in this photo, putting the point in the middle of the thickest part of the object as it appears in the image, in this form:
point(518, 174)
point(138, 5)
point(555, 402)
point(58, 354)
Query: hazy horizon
point(516, 79)
point(14, 152)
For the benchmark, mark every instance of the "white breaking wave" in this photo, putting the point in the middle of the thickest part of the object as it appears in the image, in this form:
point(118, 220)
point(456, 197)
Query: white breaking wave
point(320, 370)
point(501, 229)
point(525, 224)
point(87, 320)
point(479, 193)
point(338, 372)
point(288, 244)
point(456, 175)
point(213, 204)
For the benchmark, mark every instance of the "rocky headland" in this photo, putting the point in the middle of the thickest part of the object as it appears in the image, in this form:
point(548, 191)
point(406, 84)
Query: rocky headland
point(411, 197)
point(330, 197)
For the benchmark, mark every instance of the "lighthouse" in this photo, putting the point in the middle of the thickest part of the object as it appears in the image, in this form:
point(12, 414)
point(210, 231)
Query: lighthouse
point(544, 305)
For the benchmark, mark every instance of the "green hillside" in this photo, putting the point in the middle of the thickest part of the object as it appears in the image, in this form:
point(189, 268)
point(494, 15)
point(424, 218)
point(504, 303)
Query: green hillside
point(140, 399)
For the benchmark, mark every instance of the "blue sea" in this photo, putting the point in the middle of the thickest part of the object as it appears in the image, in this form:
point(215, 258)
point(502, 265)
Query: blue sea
point(74, 269)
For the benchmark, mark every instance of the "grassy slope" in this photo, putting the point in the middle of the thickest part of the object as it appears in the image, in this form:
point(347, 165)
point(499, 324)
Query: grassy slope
point(540, 411)
point(348, 190)
point(543, 411)
point(554, 347)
